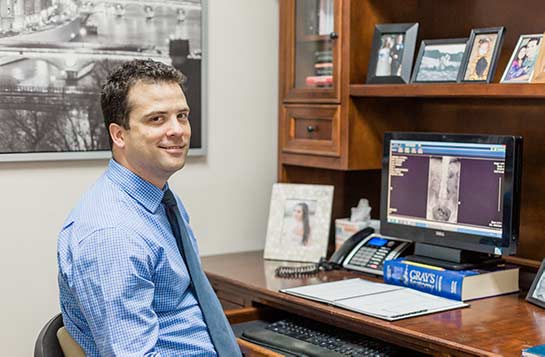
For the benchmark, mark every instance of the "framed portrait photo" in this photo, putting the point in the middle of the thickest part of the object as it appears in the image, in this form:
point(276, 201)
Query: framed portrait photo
point(521, 65)
point(482, 55)
point(299, 220)
point(392, 53)
point(439, 60)
point(536, 294)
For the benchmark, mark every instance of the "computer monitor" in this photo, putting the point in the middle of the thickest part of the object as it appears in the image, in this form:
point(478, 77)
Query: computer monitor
point(457, 196)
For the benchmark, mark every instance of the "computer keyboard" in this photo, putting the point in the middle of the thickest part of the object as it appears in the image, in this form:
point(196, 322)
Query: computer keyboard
point(308, 338)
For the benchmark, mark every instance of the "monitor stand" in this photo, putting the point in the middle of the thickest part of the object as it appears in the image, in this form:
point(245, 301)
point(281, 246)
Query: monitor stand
point(451, 258)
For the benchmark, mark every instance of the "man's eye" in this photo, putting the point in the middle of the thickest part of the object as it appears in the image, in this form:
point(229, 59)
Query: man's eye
point(155, 119)
point(183, 116)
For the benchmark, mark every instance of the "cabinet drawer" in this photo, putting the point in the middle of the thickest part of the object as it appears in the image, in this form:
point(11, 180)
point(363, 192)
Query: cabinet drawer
point(311, 130)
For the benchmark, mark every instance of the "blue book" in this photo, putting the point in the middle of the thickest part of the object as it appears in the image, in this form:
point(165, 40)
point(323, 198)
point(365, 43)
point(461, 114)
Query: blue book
point(536, 351)
point(459, 285)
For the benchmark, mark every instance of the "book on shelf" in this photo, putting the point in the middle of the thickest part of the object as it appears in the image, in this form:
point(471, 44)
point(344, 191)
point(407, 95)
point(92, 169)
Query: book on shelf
point(379, 300)
point(323, 65)
point(319, 81)
point(459, 285)
point(536, 351)
point(323, 72)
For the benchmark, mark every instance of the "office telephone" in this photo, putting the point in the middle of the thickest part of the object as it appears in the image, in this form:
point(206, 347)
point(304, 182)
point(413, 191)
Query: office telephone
point(365, 251)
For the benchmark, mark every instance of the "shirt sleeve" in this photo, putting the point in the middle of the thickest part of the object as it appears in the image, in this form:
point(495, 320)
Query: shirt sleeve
point(113, 281)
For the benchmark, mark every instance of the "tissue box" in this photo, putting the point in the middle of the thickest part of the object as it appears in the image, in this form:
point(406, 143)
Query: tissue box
point(344, 229)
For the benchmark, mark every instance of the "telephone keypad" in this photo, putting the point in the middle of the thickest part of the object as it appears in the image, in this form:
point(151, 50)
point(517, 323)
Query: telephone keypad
point(373, 253)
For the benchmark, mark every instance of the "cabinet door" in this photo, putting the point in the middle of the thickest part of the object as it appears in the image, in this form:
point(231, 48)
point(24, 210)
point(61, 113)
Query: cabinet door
point(311, 130)
point(310, 50)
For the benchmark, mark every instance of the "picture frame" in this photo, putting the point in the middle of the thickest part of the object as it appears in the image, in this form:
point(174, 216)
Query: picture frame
point(299, 222)
point(482, 54)
point(51, 79)
point(521, 65)
point(439, 61)
point(539, 68)
point(392, 53)
point(536, 294)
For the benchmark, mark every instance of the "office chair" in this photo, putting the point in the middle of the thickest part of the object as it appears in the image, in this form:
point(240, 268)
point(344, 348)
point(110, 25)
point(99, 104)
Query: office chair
point(52, 336)
point(47, 344)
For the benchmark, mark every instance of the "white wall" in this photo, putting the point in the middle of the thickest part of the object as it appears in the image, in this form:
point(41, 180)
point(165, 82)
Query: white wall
point(227, 193)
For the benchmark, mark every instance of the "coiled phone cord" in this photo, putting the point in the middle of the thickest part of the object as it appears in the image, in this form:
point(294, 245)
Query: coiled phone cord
point(303, 271)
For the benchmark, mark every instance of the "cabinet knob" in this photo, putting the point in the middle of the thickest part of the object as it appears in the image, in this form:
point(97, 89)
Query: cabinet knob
point(311, 129)
point(333, 35)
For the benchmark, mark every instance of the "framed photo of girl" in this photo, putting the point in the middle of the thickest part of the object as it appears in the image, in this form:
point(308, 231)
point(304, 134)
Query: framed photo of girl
point(482, 55)
point(299, 220)
point(392, 53)
point(521, 65)
point(439, 61)
point(536, 294)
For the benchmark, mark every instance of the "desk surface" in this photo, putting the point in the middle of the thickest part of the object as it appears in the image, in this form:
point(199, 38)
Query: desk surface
point(502, 325)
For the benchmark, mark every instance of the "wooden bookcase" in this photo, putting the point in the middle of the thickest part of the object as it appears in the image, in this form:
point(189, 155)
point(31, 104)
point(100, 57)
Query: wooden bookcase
point(334, 135)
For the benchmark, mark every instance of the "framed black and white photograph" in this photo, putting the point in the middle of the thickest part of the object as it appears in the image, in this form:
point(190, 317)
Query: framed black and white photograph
point(439, 61)
point(482, 55)
point(392, 53)
point(299, 220)
point(55, 55)
point(536, 294)
point(521, 65)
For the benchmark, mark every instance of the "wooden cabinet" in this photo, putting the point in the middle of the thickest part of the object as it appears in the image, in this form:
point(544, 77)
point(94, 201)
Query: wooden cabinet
point(352, 116)
point(311, 35)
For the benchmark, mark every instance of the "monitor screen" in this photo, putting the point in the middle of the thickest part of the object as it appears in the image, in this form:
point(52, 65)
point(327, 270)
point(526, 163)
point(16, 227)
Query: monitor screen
point(458, 191)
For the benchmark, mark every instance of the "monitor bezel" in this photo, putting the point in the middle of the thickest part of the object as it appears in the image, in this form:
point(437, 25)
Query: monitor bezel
point(507, 244)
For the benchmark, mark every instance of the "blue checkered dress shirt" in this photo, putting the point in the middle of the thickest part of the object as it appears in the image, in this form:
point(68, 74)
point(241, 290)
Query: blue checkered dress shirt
point(124, 287)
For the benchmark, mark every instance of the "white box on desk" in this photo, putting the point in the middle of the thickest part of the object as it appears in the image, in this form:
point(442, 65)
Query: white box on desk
point(345, 228)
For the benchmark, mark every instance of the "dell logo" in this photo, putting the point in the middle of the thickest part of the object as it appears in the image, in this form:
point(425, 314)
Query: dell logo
point(439, 233)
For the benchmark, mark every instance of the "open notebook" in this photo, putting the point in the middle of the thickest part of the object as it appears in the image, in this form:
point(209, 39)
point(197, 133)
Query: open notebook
point(384, 301)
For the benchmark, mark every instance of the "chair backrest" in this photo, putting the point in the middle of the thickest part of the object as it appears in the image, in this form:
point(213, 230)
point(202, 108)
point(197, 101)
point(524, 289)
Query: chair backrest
point(47, 344)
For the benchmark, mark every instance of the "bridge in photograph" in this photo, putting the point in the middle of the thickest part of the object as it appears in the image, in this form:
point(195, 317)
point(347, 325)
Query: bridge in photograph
point(76, 59)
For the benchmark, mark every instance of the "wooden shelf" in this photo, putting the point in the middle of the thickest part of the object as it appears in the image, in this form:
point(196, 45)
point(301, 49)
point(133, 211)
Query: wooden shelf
point(450, 90)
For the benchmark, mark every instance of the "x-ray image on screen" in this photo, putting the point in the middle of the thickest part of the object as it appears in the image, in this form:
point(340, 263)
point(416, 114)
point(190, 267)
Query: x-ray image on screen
point(443, 189)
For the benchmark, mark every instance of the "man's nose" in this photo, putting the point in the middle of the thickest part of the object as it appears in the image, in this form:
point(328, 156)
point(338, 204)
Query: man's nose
point(175, 127)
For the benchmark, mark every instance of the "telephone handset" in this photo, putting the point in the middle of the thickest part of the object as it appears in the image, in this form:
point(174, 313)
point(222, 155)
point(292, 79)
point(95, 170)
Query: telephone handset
point(364, 251)
point(348, 246)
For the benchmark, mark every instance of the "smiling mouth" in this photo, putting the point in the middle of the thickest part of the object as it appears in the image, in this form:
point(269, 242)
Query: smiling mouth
point(172, 147)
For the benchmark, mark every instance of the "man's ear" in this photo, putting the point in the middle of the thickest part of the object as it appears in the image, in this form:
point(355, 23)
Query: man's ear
point(117, 133)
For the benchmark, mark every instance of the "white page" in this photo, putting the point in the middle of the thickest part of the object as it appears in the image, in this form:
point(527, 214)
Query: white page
point(338, 290)
point(398, 304)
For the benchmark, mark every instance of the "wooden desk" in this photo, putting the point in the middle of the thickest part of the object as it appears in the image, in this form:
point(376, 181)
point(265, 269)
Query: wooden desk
point(499, 326)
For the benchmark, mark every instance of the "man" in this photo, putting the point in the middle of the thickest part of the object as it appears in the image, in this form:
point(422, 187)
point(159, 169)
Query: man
point(127, 279)
point(481, 65)
point(531, 55)
point(397, 55)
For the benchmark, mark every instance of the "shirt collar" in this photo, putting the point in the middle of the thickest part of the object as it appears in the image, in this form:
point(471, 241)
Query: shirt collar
point(147, 194)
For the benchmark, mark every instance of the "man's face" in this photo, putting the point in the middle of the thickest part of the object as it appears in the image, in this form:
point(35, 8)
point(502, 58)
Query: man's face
point(156, 145)
point(483, 48)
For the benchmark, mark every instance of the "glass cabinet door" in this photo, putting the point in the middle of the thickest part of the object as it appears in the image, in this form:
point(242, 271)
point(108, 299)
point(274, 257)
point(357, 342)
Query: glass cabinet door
point(314, 50)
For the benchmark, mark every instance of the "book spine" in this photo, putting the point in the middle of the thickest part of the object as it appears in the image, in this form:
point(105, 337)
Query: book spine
point(319, 80)
point(438, 282)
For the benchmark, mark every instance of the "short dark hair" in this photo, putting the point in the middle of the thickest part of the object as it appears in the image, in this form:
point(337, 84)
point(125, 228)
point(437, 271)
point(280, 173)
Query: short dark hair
point(114, 93)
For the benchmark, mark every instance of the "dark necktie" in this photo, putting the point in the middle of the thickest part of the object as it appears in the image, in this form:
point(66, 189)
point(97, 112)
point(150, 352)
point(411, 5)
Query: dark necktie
point(220, 331)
